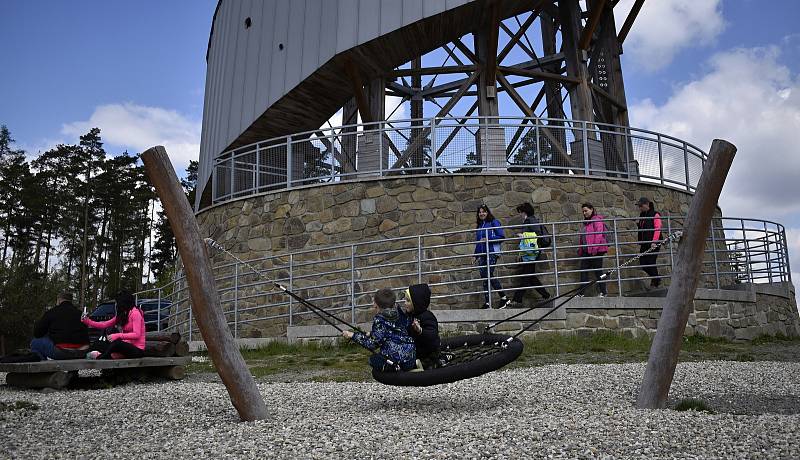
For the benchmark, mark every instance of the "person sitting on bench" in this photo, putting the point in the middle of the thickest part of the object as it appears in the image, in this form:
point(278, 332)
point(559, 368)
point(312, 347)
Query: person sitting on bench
point(59, 334)
point(126, 344)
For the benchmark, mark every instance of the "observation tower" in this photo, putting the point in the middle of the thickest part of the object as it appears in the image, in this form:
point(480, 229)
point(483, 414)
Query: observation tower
point(347, 144)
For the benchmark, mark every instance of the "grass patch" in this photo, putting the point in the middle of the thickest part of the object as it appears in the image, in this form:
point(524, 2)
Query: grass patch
point(345, 361)
point(598, 342)
point(17, 405)
point(693, 404)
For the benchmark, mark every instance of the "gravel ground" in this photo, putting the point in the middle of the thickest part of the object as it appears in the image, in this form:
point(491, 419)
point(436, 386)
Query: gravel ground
point(569, 411)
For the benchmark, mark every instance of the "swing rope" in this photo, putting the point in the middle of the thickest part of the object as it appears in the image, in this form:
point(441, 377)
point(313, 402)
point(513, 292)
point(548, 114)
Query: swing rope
point(314, 308)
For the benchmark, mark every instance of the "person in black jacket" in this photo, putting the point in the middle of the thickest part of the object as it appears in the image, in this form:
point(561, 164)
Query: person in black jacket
point(649, 225)
point(424, 328)
point(59, 333)
point(527, 270)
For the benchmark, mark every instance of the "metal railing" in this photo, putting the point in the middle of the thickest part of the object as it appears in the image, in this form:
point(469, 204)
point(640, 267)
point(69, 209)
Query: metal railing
point(341, 279)
point(435, 146)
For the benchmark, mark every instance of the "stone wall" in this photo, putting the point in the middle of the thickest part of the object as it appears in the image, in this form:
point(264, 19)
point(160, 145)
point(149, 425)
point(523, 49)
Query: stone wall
point(330, 214)
point(734, 315)
point(384, 210)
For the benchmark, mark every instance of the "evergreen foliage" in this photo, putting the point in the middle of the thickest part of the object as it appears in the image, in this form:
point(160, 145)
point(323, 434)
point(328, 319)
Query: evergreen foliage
point(76, 218)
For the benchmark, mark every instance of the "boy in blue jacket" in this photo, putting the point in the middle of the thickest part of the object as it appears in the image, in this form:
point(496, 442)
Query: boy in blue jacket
point(389, 336)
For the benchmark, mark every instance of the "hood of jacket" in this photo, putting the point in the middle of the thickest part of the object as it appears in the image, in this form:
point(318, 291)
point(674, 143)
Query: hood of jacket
point(420, 297)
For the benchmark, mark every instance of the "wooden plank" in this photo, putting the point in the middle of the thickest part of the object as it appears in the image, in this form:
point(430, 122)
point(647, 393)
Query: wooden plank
point(40, 380)
point(594, 19)
point(529, 113)
point(538, 74)
point(81, 364)
point(222, 348)
point(678, 304)
point(160, 349)
point(431, 71)
point(156, 336)
point(626, 26)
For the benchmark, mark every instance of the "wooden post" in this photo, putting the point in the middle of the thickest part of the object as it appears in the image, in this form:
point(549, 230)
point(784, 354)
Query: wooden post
point(678, 304)
point(221, 345)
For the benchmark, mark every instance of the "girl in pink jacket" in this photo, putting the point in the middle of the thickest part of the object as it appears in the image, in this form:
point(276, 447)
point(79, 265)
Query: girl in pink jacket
point(126, 344)
point(593, 246)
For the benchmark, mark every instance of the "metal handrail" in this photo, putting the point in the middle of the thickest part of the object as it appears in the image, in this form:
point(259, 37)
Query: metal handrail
point(538, 145)
point(738, 250)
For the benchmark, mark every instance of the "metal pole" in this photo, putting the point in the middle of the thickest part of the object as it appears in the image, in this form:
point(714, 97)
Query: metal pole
point(190, 323)
point(660, 159)
point(488, 270)
point(352, 283)
point(713, 252)
point(585, 149)
point(233, 175)
point(686, 167)
point(768, 252)
point(419, 259)
point(616, 255)
point(786, 257)
point(289, 171)
point(158, 328)
point(746, 252)
point(671, 255)
point(257, 182)
point(555, 256)
point(236, 300)
point(538, 147)
point(214, 177)
point(382, 132)
point(291, 288)
point(433, 145)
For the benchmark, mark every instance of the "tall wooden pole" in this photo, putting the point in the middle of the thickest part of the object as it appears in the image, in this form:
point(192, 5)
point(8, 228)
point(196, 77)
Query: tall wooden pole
point(221, 345)
point(667, 343)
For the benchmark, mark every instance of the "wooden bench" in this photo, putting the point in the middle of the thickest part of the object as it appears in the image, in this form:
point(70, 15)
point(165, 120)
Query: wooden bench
point(58, 373)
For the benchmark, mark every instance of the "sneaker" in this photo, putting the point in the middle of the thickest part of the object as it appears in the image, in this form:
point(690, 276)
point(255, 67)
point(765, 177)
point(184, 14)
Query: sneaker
point(486, 306)
point(602, 295)
point(92, 354)
point(506, 303)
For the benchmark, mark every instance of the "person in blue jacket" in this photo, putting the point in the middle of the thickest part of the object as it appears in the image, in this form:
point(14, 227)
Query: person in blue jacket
point(488, 230)
point(389, 337)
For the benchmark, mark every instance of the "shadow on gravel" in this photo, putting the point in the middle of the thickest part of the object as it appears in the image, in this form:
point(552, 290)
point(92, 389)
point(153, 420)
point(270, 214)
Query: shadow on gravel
point(748, 404)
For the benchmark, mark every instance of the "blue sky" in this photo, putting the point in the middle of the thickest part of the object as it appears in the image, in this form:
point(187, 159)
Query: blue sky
point(695, 69)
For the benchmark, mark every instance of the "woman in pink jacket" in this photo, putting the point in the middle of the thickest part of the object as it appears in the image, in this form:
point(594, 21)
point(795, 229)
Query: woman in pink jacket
point(126, 344)
point(593, 246)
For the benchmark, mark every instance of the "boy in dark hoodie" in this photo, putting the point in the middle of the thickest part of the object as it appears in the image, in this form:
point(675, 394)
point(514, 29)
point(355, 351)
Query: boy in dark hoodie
point(424, 328)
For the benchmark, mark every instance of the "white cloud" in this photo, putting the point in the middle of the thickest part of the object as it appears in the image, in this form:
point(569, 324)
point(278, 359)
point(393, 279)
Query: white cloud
point(138, 128)
point(663, 28)
point(752, 100)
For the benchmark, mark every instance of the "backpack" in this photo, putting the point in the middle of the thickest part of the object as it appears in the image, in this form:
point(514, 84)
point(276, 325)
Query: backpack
point(529, 245)
point(544, 238)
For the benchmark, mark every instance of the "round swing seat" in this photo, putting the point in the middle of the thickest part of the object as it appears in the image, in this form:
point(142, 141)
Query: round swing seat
point(471, 356)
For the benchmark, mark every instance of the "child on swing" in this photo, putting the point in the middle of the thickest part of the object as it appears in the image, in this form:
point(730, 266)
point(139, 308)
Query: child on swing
point(389, 338)
point(424, 327)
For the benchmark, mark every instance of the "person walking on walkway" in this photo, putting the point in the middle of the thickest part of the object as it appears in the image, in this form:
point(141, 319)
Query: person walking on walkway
point(533, 237)
point(649, 225)
point(488, 239)
point(592, 246)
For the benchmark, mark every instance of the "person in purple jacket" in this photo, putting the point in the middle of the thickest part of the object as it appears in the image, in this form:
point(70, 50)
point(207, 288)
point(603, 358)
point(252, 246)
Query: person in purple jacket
point(593, 246)
point(488, 230)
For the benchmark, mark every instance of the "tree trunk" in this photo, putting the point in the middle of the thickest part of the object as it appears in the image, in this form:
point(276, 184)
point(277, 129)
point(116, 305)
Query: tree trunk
point(689, 260)
point(208, 313)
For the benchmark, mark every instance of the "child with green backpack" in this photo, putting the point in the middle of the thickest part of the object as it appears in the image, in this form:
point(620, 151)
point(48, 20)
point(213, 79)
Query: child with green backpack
point(533, 237)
